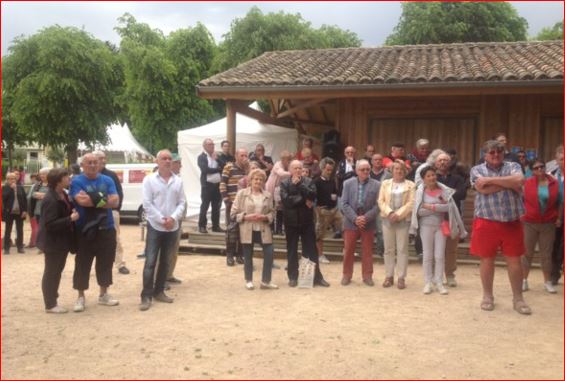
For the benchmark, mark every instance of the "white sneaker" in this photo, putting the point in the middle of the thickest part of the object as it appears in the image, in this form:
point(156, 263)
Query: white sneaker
point(451, 282)
point(441, 289)
point(57, 310)
point(79, 304)
point(107, 300)
point(427, 288)
point(525, 286)
point(269, 286)
point(324, 259)
point(249, 286)
point(549, 288)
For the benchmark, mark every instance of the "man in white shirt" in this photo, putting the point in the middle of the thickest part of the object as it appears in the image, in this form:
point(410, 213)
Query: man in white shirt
point(164, 203)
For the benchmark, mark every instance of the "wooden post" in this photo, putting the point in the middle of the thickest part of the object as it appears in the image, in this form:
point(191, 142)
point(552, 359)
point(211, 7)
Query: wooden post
point(230, 132)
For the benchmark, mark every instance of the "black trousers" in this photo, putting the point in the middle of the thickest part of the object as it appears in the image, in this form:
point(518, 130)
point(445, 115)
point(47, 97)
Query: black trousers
point(557, 254)
point(210, 194)
point(307, 234)
point(8, 231)
point(54, 265)
point(103, 248)
point(279, 222)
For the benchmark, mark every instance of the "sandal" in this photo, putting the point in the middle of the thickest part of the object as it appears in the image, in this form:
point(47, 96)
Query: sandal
point(389, 281)
point(487, 304)
point(401, 284)
point(521, 307)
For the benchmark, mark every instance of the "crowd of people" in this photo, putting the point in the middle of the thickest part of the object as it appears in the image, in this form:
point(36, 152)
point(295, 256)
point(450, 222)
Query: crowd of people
point(384, 200)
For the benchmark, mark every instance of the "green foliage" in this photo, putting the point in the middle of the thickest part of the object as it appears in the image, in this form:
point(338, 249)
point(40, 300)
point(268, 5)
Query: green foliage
point(258, 33)
point(447, 22)
point(160, 75)
point(553, 33)
point(60, 85)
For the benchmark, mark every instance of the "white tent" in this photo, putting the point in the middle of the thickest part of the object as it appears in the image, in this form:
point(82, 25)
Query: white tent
point(249, 133)
point(121, 140)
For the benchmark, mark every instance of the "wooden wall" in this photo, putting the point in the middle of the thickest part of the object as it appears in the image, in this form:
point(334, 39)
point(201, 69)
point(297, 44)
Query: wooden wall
point(529, 120)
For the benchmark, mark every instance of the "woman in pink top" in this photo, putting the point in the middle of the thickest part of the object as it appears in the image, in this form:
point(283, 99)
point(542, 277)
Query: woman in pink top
point(278, 174)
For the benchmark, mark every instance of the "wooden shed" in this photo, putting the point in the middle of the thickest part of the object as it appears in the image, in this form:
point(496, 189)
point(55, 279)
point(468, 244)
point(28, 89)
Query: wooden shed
point(456, 95)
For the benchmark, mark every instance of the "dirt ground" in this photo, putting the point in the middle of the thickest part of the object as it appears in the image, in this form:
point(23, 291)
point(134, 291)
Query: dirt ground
point(216, 329)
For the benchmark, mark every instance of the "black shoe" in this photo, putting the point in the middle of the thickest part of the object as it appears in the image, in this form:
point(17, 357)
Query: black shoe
point(202, 230)
point(240, 260)
point(162, 297)
point(21, 250)
point(322, 283)
point(218, 229)
point(142, 255)
point(292, 283)
point(167, 286)
point(230, 261)
point(174, 280)
point(123, 270)
point(145, 304)
point(369, 282)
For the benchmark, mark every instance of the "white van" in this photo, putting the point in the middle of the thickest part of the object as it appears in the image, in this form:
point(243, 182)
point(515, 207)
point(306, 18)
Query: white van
point(131, 177)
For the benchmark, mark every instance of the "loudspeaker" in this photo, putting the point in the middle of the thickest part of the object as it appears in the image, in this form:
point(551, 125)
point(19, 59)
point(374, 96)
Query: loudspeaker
point(331, 145)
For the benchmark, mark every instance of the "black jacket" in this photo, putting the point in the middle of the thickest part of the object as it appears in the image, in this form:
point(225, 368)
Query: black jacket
point(293, 198)
point(56, 230)
point(8, 200)
point(457, 183)
point(341, 176)
point(111, 174)
point(204, 170)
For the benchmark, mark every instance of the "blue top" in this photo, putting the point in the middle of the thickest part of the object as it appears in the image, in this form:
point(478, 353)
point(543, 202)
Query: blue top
point(101, 183)
point(543, 196)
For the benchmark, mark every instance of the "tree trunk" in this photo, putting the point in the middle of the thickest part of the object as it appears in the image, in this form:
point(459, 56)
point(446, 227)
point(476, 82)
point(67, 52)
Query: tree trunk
point(71, 154)
point(10, 144)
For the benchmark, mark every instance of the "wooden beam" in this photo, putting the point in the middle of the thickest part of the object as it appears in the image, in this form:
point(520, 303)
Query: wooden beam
point(314, 122)
point(242, 108)
point(301, 106)
point(231, 125)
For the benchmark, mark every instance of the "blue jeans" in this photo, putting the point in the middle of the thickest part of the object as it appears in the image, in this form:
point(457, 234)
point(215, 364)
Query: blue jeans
point(267, 258)
point(159, 246)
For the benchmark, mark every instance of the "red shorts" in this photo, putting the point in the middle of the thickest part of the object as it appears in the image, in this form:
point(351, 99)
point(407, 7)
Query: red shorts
point(488, 236)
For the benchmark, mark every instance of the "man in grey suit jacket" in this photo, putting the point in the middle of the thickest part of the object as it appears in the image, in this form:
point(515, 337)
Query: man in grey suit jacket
point(359, 208)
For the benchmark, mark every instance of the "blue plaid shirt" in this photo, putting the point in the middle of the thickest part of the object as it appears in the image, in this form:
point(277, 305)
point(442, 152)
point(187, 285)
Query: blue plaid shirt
point(503, 206)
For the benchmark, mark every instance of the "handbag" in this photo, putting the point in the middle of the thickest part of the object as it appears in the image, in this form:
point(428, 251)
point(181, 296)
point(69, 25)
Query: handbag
point(445, 229)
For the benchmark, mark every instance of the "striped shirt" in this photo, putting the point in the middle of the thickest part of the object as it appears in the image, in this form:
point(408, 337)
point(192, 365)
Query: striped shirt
point(503, 206)
point(230, 180)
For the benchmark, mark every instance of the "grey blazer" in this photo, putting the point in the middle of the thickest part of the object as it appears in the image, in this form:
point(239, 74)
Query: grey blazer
point(349, 203)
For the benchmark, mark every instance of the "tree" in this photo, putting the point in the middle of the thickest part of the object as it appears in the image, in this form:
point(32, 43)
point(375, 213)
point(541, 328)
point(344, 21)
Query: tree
point(63, 84)
point(160, 75)
point(447, 22)
point(258, 33)
point(553, 33)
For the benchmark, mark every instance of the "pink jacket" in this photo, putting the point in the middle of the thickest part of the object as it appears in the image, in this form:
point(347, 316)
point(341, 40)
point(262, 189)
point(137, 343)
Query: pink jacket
point(278, 174)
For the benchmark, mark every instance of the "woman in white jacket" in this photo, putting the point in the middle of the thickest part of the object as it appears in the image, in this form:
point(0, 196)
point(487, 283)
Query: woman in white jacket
point(437, 216)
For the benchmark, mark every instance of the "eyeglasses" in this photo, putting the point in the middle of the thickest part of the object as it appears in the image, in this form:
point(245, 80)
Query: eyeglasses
point(364, 169)
point(349, 152)
point(495, 151)
point(537, 167)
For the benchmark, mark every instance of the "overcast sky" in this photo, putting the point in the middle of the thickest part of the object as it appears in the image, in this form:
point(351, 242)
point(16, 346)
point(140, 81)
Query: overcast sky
point(372, 21)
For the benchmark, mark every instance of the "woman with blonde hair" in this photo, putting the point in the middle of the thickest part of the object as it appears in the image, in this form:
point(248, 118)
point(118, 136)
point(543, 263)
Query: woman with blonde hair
point(396, 199)
point(254, 210)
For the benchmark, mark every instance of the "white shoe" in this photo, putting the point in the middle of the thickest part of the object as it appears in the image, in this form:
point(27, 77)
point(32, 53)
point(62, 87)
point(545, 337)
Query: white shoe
point(441, 289)
point(427, 288)
point(57, 310)
point(107, 300)
point(525, 286)
point(269, 286)
point(249, 286)
point(549, 288)
point(451, 282)
point(80, 304)
point(324, 259)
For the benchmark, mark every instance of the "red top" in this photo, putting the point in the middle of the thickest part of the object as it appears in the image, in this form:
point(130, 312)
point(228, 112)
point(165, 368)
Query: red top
point(531, 202)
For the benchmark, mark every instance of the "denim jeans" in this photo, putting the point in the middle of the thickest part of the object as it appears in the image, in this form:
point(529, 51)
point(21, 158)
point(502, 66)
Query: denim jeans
point(159, 246)
point(267, 258)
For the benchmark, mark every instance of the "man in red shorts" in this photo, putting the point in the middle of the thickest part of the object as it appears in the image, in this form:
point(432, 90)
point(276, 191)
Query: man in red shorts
point(498, 207)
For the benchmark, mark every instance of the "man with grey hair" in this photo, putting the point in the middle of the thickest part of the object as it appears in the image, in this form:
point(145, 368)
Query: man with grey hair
point(119, 260)
point(164, 202)
point(420, 153)
point(210, 177)
point(498, 208)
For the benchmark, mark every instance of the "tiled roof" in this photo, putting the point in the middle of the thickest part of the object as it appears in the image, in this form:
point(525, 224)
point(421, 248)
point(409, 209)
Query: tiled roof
point(443, 63)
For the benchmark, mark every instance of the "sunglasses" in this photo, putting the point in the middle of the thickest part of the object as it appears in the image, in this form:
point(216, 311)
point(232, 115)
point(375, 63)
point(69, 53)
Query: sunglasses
point(538, 167)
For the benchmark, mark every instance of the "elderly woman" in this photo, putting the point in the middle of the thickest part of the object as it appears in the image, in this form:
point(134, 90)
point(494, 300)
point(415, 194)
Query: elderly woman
point(14, 207)
point(436, 214)
point(35, 197)
point(254, 210)
point(543, 214)
point(55, 235)
point(396, 198)
point(278, 174)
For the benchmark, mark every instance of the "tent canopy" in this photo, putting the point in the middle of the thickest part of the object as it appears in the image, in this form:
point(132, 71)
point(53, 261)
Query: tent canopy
point(249, 133)
point(121, 140)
